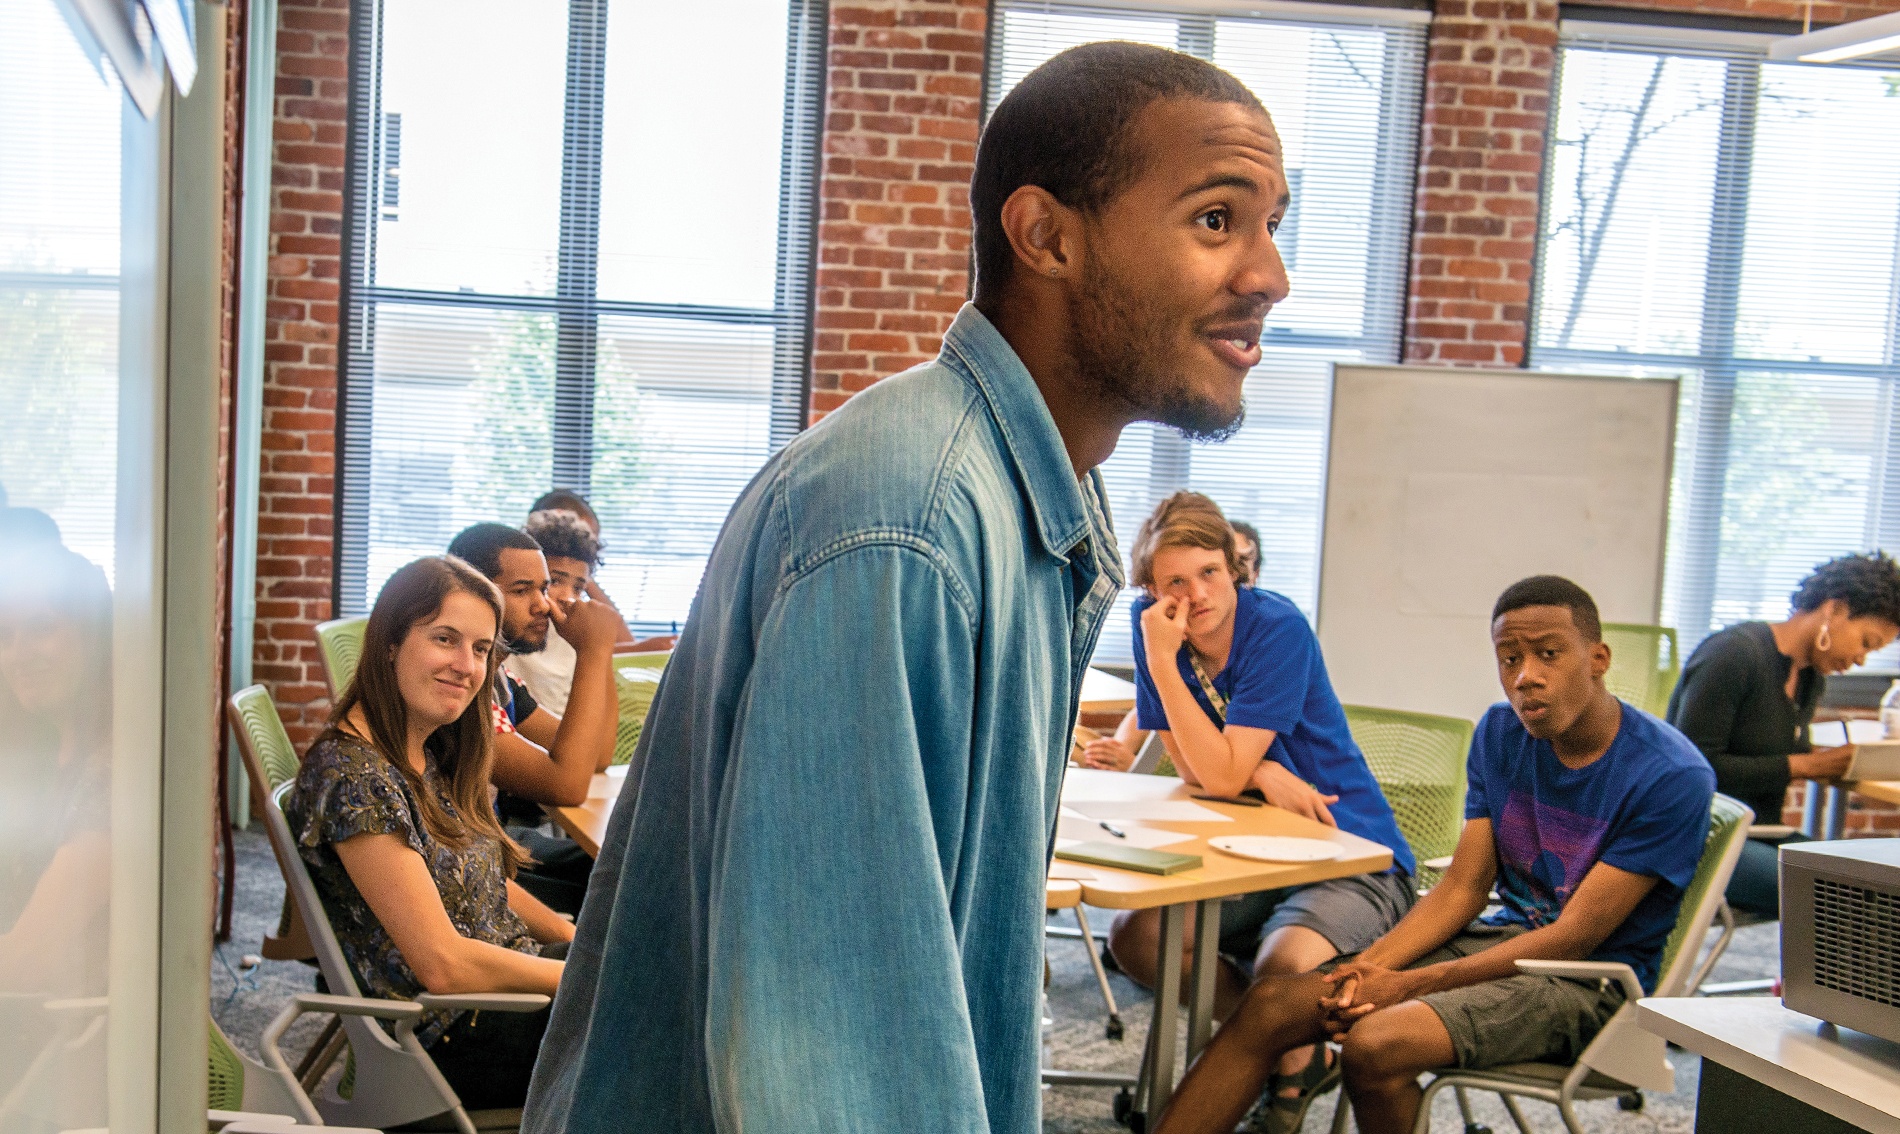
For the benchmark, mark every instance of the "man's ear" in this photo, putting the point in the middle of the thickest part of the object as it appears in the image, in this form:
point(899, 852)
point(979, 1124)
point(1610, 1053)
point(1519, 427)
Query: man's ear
point(1599, 659)
point(1043, 232)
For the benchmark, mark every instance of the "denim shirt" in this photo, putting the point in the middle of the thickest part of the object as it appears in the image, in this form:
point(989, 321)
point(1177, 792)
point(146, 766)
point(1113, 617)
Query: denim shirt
point(819, 903)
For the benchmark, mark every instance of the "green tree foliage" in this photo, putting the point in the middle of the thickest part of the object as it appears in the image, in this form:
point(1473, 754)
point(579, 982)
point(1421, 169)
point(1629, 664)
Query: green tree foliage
point(59, 382)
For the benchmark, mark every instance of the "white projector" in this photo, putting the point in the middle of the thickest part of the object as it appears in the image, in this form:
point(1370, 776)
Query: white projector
point(1840, 933)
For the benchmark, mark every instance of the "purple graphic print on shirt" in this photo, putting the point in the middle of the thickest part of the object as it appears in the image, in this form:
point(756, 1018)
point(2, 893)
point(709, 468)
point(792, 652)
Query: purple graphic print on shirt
point(1543, 854)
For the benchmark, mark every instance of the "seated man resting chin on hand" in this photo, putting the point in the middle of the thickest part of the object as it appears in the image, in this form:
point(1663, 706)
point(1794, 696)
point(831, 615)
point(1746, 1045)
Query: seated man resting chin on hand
point(1232, 680)
point(1588, 815)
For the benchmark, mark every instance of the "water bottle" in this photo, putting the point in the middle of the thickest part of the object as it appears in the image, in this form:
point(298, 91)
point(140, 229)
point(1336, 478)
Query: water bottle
point(1890, 711)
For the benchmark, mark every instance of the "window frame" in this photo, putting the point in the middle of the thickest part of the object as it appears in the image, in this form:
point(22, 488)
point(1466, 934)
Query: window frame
point(1716, 361)
point(576, 307)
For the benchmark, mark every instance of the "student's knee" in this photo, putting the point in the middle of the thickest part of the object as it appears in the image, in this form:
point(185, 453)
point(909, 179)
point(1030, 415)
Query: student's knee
point(1387, 1045)
point(1272, 1006)
point(1293, 949)
point(1134, 938)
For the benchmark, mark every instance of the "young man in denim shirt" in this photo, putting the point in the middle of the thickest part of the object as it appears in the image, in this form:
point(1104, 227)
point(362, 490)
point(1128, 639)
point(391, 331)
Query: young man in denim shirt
point(818, 906)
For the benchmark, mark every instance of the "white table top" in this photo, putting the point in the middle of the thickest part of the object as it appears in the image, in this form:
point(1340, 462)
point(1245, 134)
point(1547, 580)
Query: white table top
point(1106, 693)
point(1850, 1075)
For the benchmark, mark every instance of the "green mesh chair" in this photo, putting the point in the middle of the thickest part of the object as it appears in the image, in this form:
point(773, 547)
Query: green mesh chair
point(1623, 1060)
point(244, 1094)
point(339, 644)
point(637, 679)
point(1419, 761)
point(1644, 664)
point(253, 716)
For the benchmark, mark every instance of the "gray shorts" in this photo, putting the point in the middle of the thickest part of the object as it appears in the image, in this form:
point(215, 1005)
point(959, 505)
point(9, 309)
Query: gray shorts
point(1351, 913)
point(1520, 1019)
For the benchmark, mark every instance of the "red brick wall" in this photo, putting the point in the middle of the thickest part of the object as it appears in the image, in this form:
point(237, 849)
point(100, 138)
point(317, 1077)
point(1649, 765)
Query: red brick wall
point(297, 488)
point(905, 96)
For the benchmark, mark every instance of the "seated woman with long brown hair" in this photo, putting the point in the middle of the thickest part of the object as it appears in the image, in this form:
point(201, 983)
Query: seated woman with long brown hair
point(391, 810)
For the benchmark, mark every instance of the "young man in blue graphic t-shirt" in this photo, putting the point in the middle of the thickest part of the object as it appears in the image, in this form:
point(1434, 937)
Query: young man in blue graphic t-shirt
point(1588, 815)
point(1232, 680)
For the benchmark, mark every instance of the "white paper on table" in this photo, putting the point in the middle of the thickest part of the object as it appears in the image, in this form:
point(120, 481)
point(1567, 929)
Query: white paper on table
point(1068, 812)
point(1151, 810)
point(1833, 734)
point(616, 776)
point(1090, 831)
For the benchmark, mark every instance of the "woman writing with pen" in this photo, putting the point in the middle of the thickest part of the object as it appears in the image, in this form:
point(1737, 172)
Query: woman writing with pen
point(1232, 680)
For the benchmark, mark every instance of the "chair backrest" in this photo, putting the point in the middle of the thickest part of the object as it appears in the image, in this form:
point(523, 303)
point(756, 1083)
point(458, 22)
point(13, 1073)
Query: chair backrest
point(637, 679)
point(1644, 664)
point(1419, 761)
point(224, 1073)
point(1728, 830)
point(243, 707)
point(339, 644)
point(261, 734)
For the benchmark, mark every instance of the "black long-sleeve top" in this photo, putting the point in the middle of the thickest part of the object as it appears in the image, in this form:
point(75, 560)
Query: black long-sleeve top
point(1733, 703)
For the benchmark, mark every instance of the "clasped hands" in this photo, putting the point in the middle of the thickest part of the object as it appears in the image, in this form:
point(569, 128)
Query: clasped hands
point(1360, 989)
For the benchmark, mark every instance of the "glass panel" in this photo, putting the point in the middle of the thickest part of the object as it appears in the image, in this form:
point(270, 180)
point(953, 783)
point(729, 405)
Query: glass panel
point(1630, 185)
point(681, 423)
point(1820, 274)
point(468, 163)
point(1800, 454)
point(60, 190)
point(461, 431)
point(688, 213)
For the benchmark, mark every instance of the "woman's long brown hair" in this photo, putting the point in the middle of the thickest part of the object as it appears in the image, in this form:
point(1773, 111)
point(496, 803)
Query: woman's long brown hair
point(464, 748)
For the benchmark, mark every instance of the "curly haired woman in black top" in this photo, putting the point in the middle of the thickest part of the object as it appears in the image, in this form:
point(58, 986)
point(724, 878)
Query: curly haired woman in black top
point(1749, 692)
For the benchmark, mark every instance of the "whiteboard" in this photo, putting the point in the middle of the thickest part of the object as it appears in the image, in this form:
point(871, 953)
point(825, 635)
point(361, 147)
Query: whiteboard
point(1443, 487)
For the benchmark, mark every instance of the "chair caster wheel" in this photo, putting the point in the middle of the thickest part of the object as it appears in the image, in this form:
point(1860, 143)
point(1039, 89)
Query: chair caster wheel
point(1124, 1105)
point(1632, 1101)
point(1477, 1128)
point(1114, 1029)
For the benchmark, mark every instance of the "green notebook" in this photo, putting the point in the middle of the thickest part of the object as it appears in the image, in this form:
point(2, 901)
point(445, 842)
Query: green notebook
point(1130, 858)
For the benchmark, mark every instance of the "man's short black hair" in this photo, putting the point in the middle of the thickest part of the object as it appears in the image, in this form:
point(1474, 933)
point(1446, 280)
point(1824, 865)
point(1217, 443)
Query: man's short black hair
point(565, 500)
point(481, 545)
point(1552, 590)
point(1868, 583)
point(564, 535)
point(1065, 128)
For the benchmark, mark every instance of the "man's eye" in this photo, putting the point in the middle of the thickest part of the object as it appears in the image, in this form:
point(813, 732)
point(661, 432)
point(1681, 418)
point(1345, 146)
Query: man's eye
point(1273, 226)
point(1215, 220)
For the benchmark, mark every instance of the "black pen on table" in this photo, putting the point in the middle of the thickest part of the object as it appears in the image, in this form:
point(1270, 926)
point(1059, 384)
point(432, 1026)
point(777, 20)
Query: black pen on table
point(1112, 829)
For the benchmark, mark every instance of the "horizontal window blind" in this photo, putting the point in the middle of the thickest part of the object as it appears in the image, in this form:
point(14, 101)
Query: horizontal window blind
point(1736, 224)
point(1345, 99)
point(546, 292)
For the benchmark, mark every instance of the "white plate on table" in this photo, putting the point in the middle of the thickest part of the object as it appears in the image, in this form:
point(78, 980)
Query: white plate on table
point(1276, 848)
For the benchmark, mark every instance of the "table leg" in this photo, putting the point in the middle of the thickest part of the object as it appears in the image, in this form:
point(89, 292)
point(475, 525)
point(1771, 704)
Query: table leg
point(1167, 1011)
point(1206, 969)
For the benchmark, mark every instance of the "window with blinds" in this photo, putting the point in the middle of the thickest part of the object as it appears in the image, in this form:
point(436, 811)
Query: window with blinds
point(1736, 224)
point(558, 276)
point(1344, 93)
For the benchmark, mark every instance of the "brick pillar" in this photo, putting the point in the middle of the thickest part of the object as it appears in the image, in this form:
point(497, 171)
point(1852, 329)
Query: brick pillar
point(1487, 96)
point(296, 506)
point(905, 98)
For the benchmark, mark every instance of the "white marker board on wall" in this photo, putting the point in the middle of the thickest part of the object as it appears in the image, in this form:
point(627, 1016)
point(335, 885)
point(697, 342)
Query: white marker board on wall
point(1443, 487)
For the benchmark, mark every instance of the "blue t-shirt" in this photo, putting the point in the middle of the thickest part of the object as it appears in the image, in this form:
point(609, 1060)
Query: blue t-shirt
point(1643, 806)
point(1276, 679)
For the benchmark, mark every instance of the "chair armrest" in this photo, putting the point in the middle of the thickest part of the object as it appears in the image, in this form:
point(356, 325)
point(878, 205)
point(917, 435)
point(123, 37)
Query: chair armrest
point(486, 1001)
point(1588, 970)
point(359, 1006)
point(219, 1119)
point(1769, 830)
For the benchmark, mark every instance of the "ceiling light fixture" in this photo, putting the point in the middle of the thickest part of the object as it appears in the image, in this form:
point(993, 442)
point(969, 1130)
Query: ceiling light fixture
point(1840, 42)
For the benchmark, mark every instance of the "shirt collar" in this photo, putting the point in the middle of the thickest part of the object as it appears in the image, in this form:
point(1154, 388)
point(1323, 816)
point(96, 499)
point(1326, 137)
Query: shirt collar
point(1065, 514)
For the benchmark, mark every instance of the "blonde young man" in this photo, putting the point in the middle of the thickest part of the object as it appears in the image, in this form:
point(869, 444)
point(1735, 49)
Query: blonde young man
point(1232, 679)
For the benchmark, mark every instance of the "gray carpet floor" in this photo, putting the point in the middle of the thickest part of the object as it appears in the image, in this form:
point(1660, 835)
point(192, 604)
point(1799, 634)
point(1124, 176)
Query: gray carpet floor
point(244, 998)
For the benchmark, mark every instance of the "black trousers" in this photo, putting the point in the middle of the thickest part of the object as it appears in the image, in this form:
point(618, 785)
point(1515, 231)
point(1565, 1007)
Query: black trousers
point(560, 871)
point(1756, 884)
point(488, 1057)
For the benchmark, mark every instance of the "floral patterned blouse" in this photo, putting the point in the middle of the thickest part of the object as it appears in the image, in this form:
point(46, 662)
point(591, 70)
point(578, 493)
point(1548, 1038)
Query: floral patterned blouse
point(344, 789)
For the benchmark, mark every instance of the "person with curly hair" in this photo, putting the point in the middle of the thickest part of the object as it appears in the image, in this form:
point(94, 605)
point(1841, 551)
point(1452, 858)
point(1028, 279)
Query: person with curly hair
point(1748, 694)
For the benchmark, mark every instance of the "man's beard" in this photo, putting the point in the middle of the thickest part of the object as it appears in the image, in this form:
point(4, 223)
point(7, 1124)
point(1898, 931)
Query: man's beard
point(523, 646)
point(1122, 348)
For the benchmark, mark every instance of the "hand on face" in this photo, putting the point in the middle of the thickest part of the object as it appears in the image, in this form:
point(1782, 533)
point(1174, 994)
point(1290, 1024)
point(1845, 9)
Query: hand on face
point(587, 625)
point(1285, 790)
point(1164, 626)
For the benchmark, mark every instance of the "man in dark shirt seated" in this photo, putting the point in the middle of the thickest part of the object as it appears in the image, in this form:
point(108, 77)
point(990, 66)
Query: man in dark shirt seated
point(1587, 815)
point(542, 758)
